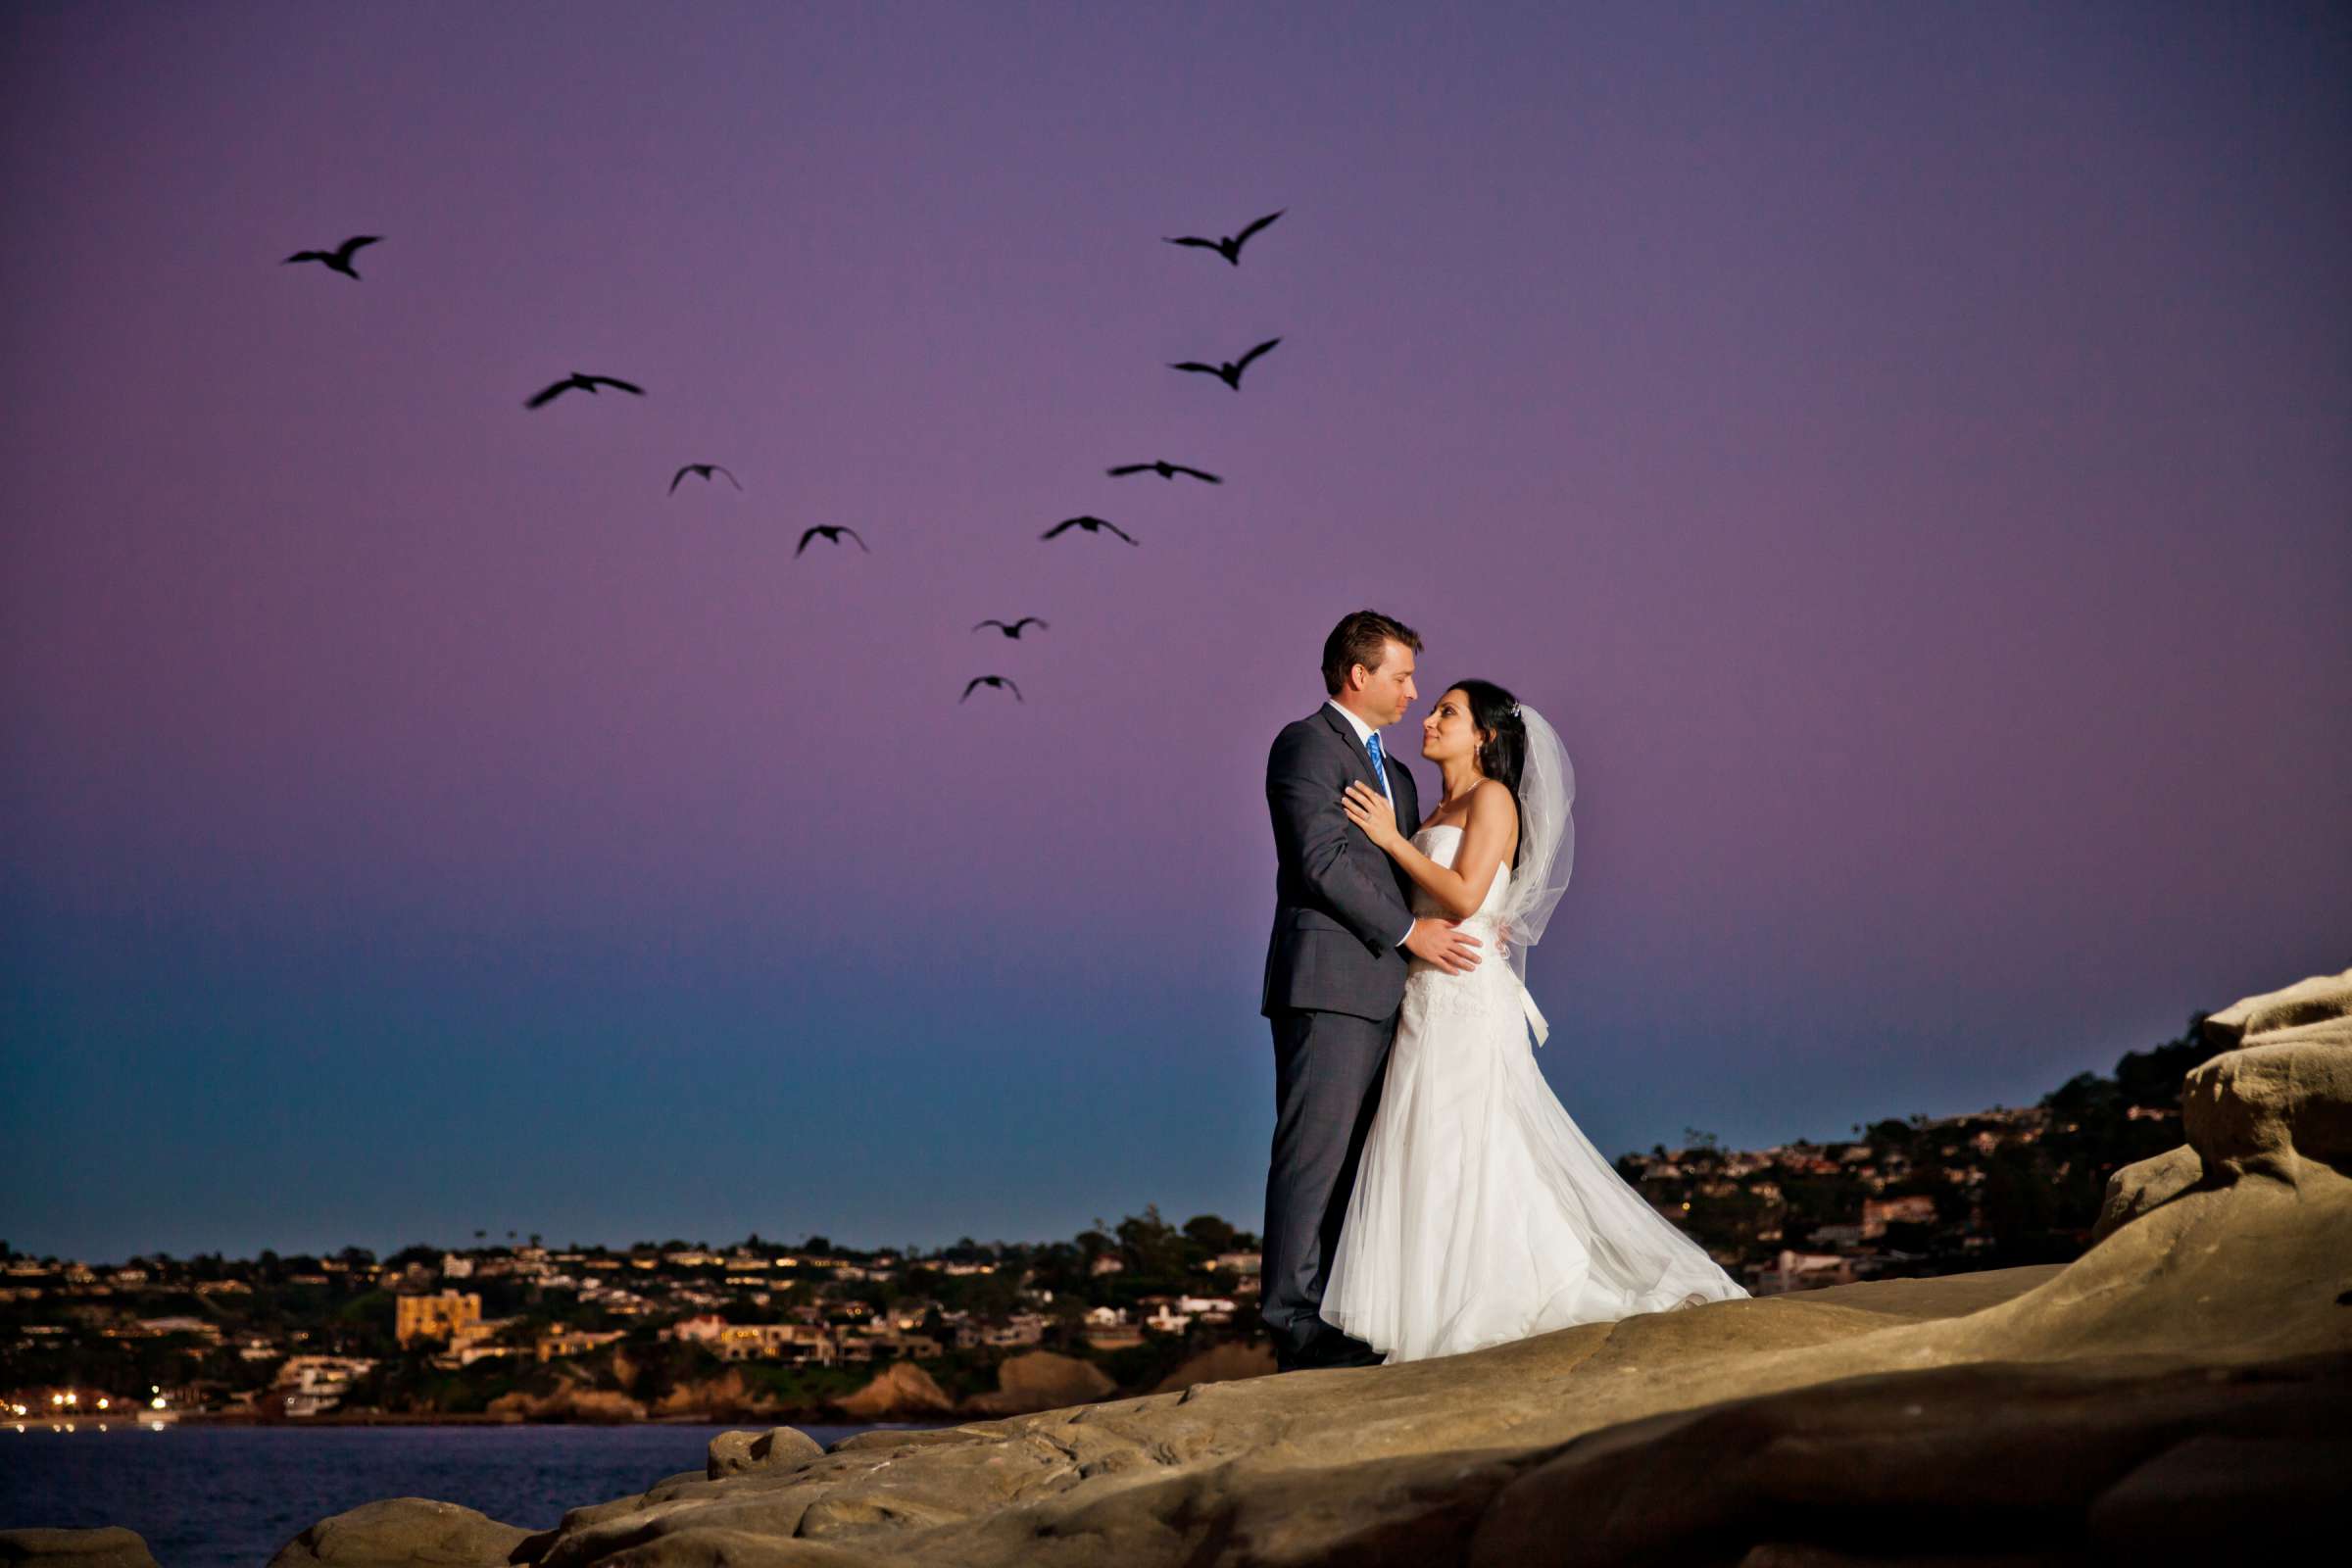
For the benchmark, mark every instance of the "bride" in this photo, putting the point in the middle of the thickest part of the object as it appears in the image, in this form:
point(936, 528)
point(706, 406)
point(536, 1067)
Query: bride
point(1480, 1213)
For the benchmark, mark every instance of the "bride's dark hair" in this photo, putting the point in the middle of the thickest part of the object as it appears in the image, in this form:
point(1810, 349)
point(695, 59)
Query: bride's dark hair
point(1502, 754)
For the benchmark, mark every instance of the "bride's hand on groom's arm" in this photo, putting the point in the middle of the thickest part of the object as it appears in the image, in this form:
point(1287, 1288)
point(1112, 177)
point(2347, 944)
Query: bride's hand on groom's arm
point(1442, 944)
point(1370, 810)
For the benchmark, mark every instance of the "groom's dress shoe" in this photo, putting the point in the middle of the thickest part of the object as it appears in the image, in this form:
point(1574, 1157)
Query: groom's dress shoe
point(1328, 1349)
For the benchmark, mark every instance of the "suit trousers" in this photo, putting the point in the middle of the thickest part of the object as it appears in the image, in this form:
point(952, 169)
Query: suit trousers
point(1328, 1068)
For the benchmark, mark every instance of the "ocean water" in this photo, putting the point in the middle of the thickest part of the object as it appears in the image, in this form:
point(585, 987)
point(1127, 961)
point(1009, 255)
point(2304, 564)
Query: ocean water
point(209, 1497)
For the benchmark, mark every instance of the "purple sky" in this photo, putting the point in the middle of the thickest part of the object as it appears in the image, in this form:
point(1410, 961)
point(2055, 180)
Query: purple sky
point(1906, 450)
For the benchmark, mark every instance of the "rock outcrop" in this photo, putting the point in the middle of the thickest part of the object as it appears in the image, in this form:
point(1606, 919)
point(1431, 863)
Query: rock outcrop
point(402, 1530)
point(2182, 1391)
point(573, 1401)
point(1223, 1363)
point(109, 1547)
point(900, 1391)
point(1040, 1380)
point(727, 1397)
point(2277, 1102)
point(732, 1454)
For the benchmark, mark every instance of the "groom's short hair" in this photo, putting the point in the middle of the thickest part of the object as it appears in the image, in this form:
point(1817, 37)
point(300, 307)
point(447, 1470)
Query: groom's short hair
point(1362, 638)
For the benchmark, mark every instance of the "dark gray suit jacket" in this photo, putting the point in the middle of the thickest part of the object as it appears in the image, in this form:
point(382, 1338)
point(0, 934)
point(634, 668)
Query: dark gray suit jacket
point(1340, 905)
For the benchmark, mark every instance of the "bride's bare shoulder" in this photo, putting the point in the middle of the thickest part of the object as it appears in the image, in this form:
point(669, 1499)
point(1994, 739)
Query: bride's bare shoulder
point(1493, 796)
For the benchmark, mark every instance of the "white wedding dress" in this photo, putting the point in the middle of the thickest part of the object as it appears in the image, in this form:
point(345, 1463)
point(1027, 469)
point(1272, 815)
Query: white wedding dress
point(1480, 1213)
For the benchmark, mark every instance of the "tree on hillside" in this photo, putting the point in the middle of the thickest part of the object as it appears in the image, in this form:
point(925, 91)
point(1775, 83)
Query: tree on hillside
point(2153, 1077)
point(1152, 1250)
point(1210, 1234)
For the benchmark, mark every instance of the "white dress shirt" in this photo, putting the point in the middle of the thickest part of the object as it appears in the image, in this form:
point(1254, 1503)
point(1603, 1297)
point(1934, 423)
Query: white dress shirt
point(1363, 738)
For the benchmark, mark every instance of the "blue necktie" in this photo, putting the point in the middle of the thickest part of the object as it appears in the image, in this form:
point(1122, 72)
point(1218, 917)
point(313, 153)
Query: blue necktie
point(1379, 766)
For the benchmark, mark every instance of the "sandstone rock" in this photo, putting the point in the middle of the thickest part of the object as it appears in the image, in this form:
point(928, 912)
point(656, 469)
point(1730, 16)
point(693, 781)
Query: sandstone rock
point(1978, 1460)
point(727, 1397)
point(2225, 1497)
point(1042, 1381)
point(2134, 1190)
point(2310, 1001)
point(920, 1439)
point(572, 1401)
point(1223, 1363)
point(734, 1452)
point(403, 1531)
point(2274, 1103)
point(109, 1547)
point(901, 1391)
point(2279, 1094)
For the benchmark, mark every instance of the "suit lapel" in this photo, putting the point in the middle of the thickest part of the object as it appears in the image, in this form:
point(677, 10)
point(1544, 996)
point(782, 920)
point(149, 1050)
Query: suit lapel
point(1401, 792)
point(1346, 734)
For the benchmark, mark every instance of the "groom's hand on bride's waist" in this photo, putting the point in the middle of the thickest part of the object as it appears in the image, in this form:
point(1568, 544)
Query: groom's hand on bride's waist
point(1441, 943)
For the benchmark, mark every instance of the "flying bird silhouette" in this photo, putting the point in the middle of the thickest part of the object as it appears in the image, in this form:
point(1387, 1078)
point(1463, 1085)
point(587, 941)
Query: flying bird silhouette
point(586, 383)
point(1230, 247)
point(337, 260)
point(1230, 373)
point(1004, 682)
point(1090, 524)
point(1164, 468)
point(1014, 630)
point(831, 533)
point(706, 469)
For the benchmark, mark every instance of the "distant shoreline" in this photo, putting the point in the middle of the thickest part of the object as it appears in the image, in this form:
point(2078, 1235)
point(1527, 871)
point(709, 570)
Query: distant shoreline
point(765, 1420)
point(762, 1420)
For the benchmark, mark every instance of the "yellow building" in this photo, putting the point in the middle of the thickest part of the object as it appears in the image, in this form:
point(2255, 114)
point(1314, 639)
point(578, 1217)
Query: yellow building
point(436, 1317)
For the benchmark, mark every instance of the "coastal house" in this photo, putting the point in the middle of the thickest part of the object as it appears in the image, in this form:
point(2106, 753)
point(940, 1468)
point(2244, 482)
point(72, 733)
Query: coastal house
point(439, 1316)
point(1021, 1327)
point(476, 1342)
point(868, 1341)
point(799, 1344)
point(314, 1384)
point(1107, 1329)
point(574, 1342)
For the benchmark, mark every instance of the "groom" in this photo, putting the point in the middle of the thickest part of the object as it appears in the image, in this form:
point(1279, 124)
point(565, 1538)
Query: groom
point(1343, 927)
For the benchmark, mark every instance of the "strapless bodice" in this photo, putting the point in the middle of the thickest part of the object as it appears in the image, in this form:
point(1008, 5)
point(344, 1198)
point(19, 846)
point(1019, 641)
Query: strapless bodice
point(1441, 842)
